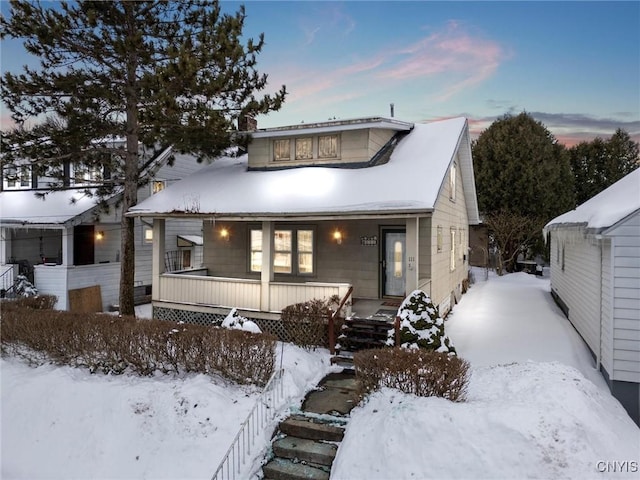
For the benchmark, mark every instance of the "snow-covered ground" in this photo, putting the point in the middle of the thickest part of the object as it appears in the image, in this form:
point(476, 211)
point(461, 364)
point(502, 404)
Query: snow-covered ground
point(536, 408)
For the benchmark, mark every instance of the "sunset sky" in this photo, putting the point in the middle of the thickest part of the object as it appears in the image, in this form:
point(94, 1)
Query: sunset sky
point(574, 66)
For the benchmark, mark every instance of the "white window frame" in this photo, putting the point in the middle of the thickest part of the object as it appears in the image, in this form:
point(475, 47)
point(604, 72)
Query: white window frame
point(158, 185)
point(452, 182)
point(453, 249)
point(21, 177)
point(294, 252)
point(306, 153)
point(280, 147)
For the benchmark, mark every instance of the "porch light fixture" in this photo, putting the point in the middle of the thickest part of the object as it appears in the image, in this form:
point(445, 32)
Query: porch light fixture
point(99, 235)
point(337, 236)
point(224, 234)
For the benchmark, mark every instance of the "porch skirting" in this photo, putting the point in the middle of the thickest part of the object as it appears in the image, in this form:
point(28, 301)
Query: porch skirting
point(213, 316)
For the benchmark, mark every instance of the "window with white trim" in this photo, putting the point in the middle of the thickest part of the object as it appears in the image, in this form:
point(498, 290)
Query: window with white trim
point(17, 177)
point(304, 148)
point(328, 146)
point(293, 250)
point(452, 182)
point(453, 249)
point(158, 186)
point(282, 149)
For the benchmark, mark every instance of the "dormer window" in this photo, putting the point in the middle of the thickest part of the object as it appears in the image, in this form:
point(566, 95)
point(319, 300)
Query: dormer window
point(158, 186)
point(19, 177)
point(304, 148)
point(281, 149)
point(328, 146)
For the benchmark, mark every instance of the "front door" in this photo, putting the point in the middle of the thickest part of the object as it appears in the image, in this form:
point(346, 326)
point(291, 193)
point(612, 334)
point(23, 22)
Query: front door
point(394, 246)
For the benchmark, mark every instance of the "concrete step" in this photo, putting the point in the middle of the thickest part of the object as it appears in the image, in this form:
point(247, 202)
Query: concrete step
point(311, 429)
point(282, 469)
point(305, 450)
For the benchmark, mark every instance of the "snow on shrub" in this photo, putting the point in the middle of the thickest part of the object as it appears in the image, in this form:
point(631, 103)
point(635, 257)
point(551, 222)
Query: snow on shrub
point(235, 321)
point(421, 325)
point(24, 288)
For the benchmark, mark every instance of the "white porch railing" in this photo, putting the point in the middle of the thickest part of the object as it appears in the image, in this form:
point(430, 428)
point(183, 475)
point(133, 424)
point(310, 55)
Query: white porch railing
point(261, 415)
point(203, 290)
point(239, 292)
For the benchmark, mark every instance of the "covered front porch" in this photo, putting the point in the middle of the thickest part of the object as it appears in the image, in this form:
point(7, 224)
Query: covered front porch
point(262, 266)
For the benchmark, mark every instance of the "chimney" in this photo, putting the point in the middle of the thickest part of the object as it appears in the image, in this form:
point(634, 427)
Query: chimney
point(391, 107)
point(247, 123)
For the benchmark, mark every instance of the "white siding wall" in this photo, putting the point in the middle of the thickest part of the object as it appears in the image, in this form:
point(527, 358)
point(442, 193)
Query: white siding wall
point(626, 300)
point(449, 214)
point(52, 280)
point(105, 275)
point(606, 341)
point(578, 285)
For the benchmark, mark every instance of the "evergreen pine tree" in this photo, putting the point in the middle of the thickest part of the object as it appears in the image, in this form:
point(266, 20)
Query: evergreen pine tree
point(523, 172)
point(421, 325)
point(156, 73)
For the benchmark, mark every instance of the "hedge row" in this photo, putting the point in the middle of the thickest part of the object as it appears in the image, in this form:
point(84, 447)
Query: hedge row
point(112, 344)
point(423, 373)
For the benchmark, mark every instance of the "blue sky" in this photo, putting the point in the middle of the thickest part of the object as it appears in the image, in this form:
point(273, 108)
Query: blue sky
point(575, 66)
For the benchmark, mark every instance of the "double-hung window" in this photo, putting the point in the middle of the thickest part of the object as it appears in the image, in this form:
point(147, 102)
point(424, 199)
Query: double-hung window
point(293, 250)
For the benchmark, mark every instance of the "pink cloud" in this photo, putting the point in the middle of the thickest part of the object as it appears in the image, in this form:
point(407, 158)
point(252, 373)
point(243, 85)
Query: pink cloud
point(456, 58)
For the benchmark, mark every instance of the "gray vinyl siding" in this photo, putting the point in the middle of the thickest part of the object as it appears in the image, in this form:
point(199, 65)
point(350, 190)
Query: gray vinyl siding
point(349, 262)
point(378, 138)
point(424, 250)
point(355, 146)
point(626, 299)
point(449, 214)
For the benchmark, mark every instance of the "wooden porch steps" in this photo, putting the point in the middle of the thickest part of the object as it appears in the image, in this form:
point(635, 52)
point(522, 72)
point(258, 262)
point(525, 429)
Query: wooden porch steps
point(363, 333)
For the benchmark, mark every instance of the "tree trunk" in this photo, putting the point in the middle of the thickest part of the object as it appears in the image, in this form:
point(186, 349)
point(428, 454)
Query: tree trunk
point(131, 177)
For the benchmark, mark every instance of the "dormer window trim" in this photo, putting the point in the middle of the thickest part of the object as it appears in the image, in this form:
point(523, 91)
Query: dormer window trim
point(324, 147)
point(17, 177)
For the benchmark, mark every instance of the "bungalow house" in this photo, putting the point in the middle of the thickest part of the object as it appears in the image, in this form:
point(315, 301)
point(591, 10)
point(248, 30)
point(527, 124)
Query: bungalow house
point(595, 278)
point(376, 204)
point(65, 243)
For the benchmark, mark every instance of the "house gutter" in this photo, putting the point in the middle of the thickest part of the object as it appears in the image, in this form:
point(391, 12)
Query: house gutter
point(285, 217)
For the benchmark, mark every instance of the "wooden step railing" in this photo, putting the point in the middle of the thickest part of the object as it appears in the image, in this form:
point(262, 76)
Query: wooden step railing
point(332, 321)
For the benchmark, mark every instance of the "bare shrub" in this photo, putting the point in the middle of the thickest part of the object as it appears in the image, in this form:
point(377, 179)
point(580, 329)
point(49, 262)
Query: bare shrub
point(423, 373)
point(306, 322)
point(109, 344)
point(38, 302)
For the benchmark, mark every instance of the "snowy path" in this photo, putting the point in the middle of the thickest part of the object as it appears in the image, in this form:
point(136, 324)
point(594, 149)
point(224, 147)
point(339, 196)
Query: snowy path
point(514, 319)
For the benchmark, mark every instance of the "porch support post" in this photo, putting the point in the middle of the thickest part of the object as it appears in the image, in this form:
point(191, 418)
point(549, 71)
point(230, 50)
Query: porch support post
point(266, 275)
point(157, 267)
point(5, 245)
point(67, 246)
point(413, 244)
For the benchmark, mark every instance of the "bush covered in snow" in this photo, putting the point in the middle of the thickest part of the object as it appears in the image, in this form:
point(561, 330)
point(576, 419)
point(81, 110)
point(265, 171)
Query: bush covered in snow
point(24, 288)
point(235, 321)
point(416, 371)
point(421, 325)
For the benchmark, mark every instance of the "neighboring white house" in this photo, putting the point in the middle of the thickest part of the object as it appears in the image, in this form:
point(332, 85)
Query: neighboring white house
point(64, 242)
point(376, 204)
point(595, 278)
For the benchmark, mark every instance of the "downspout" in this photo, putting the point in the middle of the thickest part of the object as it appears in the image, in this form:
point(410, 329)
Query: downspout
point(599, 355)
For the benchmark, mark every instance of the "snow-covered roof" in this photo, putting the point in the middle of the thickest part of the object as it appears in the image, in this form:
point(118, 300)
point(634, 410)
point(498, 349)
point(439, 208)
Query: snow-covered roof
point(333, 126)
point(23, 207)
point(605, 209)
point(408, 183)
point(197, 240)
